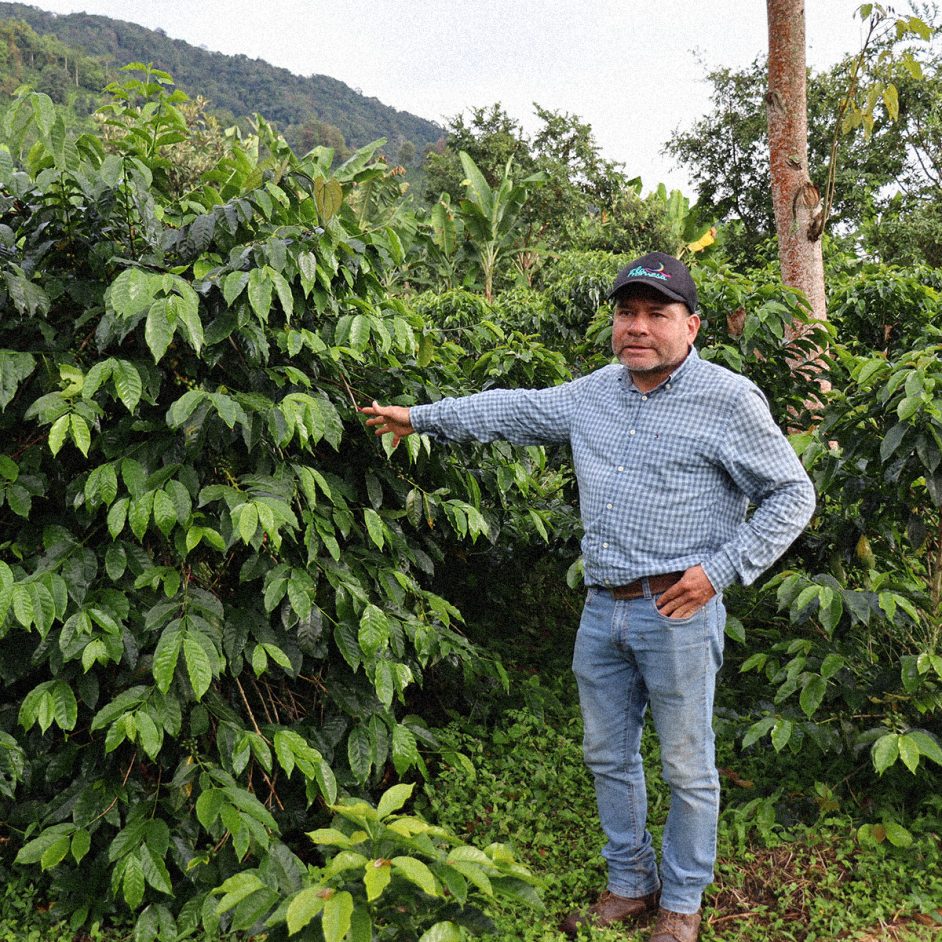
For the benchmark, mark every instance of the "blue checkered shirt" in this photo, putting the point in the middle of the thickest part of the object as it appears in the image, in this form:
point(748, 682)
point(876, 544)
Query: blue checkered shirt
point(665, 477)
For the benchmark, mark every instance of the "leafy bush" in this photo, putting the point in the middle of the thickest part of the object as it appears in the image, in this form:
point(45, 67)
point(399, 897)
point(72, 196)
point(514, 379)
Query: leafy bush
point(213, 596)
point(576, 284)
point(756, 326)
point(857, 665)
point(387, 876)
point(881, 307)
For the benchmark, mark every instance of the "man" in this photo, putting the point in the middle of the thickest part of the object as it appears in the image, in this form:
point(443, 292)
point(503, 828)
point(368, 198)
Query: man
point(669, 451)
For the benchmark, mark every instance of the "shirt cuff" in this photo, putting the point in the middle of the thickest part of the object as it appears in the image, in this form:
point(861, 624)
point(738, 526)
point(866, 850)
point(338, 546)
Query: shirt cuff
point(720, 571)
point(416, 414)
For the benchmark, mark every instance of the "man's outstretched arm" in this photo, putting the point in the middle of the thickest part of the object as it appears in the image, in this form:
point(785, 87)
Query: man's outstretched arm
point(393, 419)
point(522, 416)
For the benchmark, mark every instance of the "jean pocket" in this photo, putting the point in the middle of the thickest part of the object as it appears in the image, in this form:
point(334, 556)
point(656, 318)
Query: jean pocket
point(676, 621)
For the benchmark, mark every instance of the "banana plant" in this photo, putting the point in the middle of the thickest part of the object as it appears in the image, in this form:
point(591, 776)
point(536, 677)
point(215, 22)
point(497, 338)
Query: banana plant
point(691, 229)
point(490, 216)
point(446, 231)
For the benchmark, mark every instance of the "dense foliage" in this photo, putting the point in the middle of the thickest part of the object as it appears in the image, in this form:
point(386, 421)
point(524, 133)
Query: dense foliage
point(216, 585)
point(584, 202)
point(227, 614)
point(48, 65)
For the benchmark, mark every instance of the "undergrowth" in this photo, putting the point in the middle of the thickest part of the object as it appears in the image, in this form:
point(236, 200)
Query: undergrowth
point(791, 864)
point(26, 917)
point(796, 862)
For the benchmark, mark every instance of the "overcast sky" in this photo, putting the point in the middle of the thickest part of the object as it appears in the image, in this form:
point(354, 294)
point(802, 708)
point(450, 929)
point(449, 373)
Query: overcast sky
point(634, 71)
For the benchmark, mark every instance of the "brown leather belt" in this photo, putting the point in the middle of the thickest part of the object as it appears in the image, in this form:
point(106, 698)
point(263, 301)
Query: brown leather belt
point(635, 590)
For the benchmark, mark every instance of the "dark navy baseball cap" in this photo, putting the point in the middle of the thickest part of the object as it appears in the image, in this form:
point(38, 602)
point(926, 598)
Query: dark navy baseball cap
point(662, 272)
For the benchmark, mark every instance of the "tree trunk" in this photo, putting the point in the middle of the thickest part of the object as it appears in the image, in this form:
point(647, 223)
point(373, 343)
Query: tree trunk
point(795, 199)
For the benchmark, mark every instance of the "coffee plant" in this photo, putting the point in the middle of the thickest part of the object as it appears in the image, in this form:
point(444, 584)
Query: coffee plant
point(214, 602)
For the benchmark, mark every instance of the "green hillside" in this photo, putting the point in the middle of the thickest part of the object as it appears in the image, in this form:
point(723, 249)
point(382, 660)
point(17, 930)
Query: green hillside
point(309, 110)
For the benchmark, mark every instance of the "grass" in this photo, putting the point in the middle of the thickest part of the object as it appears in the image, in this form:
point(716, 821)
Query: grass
point(525, 784)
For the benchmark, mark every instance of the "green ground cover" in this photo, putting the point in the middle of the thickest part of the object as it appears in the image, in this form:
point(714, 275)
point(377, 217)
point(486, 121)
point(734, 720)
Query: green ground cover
point(784, 872)
point(791, 866)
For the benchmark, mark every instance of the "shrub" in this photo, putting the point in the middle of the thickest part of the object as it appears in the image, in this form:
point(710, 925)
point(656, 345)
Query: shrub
point(213, 594)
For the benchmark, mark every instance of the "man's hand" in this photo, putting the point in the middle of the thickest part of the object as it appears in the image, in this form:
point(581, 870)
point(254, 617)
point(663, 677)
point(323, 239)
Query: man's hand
point(393, 419)
point(688, 595)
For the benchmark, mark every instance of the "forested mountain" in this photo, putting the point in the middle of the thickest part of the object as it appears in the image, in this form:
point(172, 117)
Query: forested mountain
point(309, 110)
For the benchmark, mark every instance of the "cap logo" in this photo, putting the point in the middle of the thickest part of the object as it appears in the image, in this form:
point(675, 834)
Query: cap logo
point(641, 272)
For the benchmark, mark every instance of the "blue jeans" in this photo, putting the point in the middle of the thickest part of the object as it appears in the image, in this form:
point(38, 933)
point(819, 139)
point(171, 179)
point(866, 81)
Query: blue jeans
point(627, 656)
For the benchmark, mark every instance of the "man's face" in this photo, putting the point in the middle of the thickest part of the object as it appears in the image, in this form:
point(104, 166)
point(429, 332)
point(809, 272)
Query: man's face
point(651, 334)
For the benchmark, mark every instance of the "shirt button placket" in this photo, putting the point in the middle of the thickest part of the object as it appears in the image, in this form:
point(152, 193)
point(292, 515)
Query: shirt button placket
point(621, 470)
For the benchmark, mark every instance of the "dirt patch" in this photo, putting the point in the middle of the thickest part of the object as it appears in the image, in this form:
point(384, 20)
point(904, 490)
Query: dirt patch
point(784, 880)
point(901, 930)
point(786, 884)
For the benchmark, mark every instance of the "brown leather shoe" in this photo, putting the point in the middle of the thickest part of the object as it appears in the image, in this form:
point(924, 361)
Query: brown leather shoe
point(675, 927)
point(609, 909)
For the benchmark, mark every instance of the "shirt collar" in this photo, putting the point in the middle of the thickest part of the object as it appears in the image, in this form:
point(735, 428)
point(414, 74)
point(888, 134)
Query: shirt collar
point(686, 367)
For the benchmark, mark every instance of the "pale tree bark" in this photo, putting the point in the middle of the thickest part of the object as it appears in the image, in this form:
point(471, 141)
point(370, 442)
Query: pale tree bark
point(795, 199)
